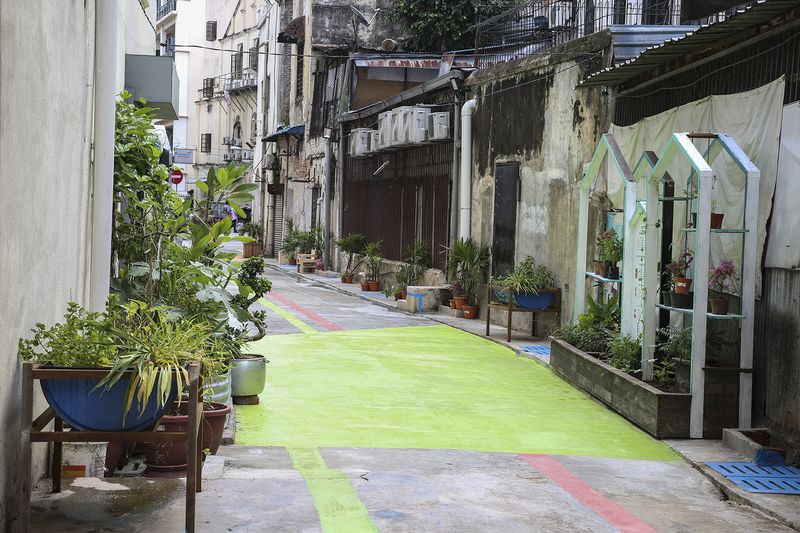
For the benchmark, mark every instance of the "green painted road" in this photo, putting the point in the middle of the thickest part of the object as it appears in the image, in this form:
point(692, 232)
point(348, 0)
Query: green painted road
point(428, 387)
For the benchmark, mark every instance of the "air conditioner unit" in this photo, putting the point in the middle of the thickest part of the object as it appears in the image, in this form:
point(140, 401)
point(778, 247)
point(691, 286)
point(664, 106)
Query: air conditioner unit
point(374, 141)
point(416, 125)
point(400, 126)
point(359, 142)
point(385, 129)
point(438, 126)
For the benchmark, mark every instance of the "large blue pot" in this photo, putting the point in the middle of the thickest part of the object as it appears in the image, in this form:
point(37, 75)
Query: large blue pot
point(83, 408)
point(502, 296)
point(528, 300)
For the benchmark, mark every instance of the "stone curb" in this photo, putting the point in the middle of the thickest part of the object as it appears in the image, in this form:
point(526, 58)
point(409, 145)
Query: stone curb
point(298, 275)
point(734, 493)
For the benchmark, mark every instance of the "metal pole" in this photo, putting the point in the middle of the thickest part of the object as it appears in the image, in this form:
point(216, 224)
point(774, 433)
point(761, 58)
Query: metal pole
point(326, 206)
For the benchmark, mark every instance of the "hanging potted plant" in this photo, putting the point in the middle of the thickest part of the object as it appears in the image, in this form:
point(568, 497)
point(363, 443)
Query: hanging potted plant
point(610, 250)
point(681, 284)
point(373, 261)
point(721, 280)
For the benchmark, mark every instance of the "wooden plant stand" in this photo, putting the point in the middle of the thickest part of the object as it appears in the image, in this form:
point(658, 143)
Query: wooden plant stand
point(493, 303)
point(32, 431)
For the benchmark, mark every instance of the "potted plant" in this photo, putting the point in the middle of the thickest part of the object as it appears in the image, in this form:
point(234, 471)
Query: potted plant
point(721, 280)
point(418, 260)
point(610, 250)
point(372, 250)
point(681, 284)
point(529, 285)
point(472, 272)
point(256, 232)
point(129, 341)
point(400, 287)
point(458, 295)
point(716, 218)
point(351, 244)
point(364, 281)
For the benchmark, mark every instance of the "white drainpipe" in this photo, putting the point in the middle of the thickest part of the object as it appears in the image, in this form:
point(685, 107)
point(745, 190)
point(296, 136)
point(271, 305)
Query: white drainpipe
point(105, 86)
point(465, 185)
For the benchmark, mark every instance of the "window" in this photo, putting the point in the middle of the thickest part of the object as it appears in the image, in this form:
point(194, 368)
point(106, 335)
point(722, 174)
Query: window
point(236, 62)
point(208, 87)
point(211, 30)
point(205, 143)
point(254, 56)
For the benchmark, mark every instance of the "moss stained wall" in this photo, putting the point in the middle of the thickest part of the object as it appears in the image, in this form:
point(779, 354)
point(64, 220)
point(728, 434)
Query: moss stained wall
point(530, 112)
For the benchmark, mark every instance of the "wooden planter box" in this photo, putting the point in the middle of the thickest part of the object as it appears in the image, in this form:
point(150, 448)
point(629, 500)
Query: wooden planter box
point(251, 249)
point(662, 414)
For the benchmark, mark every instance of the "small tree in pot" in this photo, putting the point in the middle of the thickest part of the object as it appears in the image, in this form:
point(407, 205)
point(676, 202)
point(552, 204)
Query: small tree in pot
point(255, 231)
point(472, 273)
point(351, 244)
point(373, 263)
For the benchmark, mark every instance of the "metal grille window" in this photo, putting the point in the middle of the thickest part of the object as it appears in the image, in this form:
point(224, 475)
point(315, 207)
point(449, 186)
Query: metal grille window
point(208, 87)
point(211, 30)
point(164, 8)
point(328, 82)
point(254, 56)
point(205, 143)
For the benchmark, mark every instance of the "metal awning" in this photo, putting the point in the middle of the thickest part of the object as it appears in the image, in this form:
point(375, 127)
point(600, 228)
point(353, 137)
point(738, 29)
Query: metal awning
point(693, 43)
point(296, 131)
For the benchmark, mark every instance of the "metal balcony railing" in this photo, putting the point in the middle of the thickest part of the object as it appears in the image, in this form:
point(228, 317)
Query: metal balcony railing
point(540, 24)
point(164, 8)
point(231, 83)
point(232, 141)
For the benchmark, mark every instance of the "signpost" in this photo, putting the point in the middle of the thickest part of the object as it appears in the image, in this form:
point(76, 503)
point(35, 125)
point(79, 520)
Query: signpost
point(176, 177)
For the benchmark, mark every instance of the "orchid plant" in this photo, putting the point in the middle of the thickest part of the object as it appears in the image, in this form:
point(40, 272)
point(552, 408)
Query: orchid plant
point(722, 277)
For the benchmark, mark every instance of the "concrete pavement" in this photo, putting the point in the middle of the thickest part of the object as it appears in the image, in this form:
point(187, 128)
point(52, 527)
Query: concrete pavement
point(376, 420)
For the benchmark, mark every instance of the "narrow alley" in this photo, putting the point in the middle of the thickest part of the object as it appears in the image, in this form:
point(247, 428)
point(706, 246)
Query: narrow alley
point(373, 419)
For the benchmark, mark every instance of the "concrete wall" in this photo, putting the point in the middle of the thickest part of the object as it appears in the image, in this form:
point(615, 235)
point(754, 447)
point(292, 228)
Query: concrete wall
point(529, 112)
point(46, 65)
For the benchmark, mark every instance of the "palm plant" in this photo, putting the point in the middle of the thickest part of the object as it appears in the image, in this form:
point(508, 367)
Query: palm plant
point(468, 264)
point(418, 259)
point(352, 244)
point(373, 252)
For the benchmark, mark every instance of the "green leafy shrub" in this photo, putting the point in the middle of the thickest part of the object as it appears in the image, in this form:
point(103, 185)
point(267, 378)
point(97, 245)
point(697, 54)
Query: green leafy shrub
point(609, 247)
point(625, 353)
point(528, 277)
point(583, 337)
point(352, 244)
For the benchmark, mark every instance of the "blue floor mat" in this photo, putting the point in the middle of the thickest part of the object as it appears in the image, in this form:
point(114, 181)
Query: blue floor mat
point(537, 349)
point(761, 479)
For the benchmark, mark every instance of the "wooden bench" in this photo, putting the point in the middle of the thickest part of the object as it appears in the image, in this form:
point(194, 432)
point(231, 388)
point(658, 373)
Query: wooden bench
point(492, 302)
point(307, 262)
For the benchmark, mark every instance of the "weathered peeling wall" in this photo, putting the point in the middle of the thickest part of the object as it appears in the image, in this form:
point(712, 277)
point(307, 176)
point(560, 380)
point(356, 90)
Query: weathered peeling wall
point(530, 112)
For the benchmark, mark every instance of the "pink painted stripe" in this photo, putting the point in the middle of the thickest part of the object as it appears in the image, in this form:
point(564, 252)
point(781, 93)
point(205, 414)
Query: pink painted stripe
point(581, 491)
point(327, 324)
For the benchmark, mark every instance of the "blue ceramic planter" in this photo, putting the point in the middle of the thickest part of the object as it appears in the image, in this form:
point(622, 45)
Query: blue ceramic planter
point(501, 296)
point(83, 408)
point(528, 300)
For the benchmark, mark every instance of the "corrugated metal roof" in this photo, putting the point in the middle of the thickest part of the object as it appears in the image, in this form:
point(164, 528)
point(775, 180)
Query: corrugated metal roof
point(706, 35)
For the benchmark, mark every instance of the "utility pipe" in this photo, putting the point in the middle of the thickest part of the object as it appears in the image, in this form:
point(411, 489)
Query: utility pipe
point(326, 206)
point(454, 178)
point(465, 186)
point(102, 201)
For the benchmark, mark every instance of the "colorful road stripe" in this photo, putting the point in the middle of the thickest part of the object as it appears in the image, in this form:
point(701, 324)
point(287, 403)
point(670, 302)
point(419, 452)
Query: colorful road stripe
point(336, 500)
point(290, 318)
point(581, 491)
point(327, 324)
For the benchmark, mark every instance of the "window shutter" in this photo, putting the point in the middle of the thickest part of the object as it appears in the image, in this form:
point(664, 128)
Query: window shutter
point(208, 87)
point(254, 58)
point(205, 143)
point(211, 30)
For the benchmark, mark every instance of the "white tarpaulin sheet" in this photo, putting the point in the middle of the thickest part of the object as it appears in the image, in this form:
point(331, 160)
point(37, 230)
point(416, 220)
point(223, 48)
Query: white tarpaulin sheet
point(753, 120)
point(783, 248)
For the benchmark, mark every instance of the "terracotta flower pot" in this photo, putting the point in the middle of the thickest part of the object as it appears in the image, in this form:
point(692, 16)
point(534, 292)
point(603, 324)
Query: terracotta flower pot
point(374, 286)
point(599, 268)
point(404, 294)
point(365, 286)
point(719, 306)
point(460, 301)
point(171, 456)
point(347, 279)
point(293, 261)
point(453, 304)
point(398, 296)
point(682, 285)
point(470, 311)
point(716, 220)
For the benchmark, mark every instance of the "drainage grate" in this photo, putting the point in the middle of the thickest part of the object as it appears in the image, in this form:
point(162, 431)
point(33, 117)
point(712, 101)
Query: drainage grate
point(762, 479)
point(537, 349)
